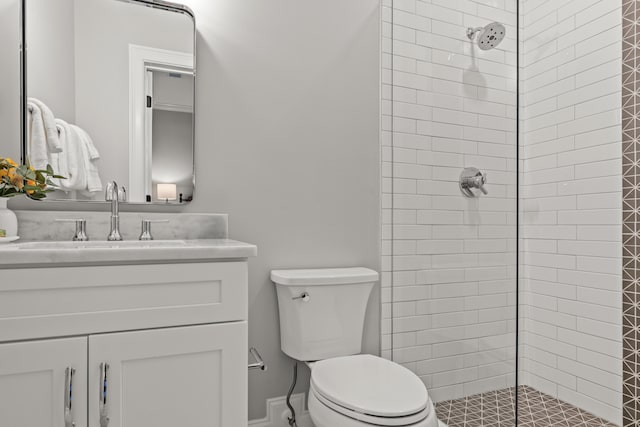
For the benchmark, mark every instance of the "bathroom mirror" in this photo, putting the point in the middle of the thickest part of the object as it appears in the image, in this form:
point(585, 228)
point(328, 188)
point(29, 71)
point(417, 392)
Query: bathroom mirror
point(108, 95)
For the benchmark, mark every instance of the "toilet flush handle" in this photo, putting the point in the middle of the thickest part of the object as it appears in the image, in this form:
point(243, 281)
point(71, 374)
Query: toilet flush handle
point(303, 296)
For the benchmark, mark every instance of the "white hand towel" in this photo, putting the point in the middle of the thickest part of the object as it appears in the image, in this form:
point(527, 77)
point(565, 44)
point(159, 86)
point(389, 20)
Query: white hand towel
point(72, 159)
point(36, 138)
point(90, 156)
point(59, 160)
point(49, 122)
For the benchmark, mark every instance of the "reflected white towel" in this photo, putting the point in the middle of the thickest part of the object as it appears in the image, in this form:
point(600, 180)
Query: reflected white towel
point(36, 138)
point(59, 160)
point(90, 156)
point(71, 163)
point(43, 130)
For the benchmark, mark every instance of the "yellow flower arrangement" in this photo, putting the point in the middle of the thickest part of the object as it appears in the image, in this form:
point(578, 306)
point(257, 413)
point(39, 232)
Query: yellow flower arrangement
point(18, 179)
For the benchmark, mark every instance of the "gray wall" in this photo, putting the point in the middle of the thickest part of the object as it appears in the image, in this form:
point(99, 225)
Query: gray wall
point(10, 78)
point(51, 43)
point(287, 131)
point(104, 30)
point(172, 152)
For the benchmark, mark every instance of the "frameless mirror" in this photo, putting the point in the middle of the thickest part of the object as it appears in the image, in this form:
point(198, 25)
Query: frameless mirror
point(108, 95)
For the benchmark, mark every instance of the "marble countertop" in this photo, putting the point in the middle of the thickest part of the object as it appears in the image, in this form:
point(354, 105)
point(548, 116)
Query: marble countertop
point(53, 254)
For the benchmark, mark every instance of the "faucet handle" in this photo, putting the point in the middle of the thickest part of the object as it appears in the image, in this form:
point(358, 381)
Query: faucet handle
point(483, 181)
point(122, 194)
point(146, 228)
point(81, 229)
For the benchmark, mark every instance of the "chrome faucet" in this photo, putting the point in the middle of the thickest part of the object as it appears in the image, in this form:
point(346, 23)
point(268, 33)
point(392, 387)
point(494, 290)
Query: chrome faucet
point(112, 194)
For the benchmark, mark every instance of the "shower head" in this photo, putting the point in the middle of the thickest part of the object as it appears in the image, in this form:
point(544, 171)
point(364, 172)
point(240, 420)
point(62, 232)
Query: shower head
point(487, 37)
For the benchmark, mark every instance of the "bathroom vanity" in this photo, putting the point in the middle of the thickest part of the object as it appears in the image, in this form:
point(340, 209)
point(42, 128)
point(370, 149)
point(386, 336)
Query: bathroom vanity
point(110, 334)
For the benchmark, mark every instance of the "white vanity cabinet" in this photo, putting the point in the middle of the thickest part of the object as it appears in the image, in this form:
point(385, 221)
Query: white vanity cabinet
point(192, 376)
point(34, 387)
point(160, 345)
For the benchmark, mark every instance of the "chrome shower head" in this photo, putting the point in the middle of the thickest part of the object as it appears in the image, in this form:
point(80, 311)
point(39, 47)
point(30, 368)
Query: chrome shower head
point(487, 37)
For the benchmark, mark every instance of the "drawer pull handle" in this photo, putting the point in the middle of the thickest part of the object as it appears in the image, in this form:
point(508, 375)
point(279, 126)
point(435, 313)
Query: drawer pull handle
point(259, 363)
point(68, 397)
point(103, 403)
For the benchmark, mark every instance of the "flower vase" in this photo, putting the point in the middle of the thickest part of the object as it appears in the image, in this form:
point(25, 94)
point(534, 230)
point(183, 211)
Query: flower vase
point(8, 221)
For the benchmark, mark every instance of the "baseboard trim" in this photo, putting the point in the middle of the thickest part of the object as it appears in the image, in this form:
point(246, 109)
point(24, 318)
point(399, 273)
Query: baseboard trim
point(277, 413)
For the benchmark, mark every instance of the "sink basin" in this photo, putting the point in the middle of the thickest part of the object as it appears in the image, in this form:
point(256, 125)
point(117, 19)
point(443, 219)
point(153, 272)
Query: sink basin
point(130, 244)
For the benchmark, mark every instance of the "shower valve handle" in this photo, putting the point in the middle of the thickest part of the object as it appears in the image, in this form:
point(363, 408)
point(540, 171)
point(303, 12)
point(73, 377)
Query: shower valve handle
point(471, 178)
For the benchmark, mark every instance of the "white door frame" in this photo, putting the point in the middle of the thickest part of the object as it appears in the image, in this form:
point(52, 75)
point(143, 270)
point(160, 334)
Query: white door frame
point(140, 58)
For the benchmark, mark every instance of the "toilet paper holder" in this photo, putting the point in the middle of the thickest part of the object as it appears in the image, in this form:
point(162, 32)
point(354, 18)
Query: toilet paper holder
point(259, 363)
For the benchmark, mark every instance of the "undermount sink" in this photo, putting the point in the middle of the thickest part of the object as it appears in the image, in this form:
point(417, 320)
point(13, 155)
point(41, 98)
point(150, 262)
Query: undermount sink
point(132, 244)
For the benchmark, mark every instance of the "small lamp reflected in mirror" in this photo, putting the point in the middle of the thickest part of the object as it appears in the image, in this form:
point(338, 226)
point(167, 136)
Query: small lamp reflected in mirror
point(167, 192)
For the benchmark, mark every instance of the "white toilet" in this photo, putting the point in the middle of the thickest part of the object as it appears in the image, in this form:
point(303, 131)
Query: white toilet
point(321, 321)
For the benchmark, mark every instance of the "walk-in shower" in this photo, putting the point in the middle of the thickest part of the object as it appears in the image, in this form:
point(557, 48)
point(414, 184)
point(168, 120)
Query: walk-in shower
point(507, 303)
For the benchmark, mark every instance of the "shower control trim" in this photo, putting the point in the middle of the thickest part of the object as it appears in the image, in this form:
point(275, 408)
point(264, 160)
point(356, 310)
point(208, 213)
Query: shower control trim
point(470, 179)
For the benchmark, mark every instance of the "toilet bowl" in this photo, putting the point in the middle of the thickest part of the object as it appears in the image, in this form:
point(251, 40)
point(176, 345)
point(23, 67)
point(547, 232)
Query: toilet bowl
point(322, 314)
point(366, 390)
point(324, 417)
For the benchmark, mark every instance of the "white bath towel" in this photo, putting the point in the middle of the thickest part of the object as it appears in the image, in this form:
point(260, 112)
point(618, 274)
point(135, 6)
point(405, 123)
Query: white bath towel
point(90, 157)
point(42, 133)
point(71, 162)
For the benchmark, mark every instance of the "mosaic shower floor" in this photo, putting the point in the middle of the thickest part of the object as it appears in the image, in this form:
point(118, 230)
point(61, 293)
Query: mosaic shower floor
point(496, 409)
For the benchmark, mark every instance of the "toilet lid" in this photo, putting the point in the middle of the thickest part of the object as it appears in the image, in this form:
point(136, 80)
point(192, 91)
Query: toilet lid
point(370, 385)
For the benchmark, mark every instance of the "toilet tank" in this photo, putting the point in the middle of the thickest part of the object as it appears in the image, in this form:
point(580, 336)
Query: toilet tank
point(322, 311)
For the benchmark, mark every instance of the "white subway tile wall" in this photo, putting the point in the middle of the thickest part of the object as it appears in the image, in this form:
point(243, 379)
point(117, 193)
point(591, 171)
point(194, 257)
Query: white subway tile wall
point(570, 279)
point(449, 279)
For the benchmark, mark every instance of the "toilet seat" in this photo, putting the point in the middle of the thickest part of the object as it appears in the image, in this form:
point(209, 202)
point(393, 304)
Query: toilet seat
point(372, 419)
point(370, 389)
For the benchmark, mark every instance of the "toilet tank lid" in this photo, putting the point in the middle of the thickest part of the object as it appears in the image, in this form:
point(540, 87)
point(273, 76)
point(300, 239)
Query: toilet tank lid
point(324, 276)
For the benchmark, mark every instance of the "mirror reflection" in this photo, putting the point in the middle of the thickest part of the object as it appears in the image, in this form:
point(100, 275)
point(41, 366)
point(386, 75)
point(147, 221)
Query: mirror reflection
point(110, 97)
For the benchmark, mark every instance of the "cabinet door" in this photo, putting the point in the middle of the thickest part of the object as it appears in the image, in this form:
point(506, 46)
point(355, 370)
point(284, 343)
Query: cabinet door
point(36, 381)
point(193, 376)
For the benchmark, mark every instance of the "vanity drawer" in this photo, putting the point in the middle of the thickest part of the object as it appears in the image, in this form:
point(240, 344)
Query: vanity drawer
point(47, 302)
